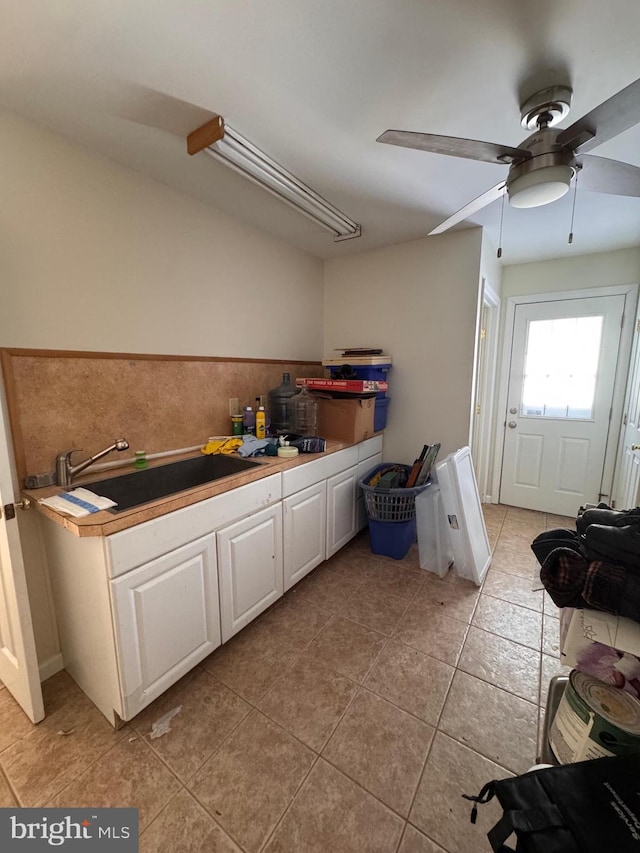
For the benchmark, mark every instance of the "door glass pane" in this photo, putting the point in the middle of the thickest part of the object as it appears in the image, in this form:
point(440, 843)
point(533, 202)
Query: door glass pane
point(560, 369)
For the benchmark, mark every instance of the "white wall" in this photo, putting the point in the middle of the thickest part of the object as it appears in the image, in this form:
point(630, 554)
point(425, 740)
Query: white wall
point(95, 256)
point(597, 270)
point(418, 301)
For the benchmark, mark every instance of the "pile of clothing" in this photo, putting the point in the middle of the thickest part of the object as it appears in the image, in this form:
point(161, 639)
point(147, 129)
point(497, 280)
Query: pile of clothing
point(597, 565)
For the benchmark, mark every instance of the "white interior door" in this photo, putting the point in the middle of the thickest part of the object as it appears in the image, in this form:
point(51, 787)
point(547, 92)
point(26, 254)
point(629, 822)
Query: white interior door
point(18, 660)
point(627, 479)
point(561, 381)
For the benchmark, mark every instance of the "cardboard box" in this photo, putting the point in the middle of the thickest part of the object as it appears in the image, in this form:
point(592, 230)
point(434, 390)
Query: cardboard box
point(604, 646)
point(592, 626)
point(346, 420)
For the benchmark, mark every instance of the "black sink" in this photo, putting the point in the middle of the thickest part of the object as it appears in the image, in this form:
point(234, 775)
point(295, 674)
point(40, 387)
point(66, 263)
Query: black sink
point(149, 484)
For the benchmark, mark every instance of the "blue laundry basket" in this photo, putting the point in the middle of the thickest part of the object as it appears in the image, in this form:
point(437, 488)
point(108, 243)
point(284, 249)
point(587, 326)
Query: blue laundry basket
point(391, 514)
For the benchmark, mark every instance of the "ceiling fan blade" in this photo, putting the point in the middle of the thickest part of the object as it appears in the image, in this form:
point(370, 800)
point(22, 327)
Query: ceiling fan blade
point(601, 175)
point(473, 207)
point(454, 146)
point(619, 113)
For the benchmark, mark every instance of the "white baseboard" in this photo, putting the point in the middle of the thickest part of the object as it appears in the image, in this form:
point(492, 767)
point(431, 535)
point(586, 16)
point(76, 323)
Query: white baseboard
point(50, 666)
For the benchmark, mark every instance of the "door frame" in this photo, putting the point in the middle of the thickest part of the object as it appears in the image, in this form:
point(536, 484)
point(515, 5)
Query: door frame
point(630, 292)
point(485, 391)
point(616, 489)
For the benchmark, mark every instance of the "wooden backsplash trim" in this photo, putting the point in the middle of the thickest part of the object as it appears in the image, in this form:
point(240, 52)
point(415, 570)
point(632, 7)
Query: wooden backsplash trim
point(59, 353)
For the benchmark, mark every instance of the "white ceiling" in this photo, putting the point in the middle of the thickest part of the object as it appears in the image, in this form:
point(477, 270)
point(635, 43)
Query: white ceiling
point(313, 83)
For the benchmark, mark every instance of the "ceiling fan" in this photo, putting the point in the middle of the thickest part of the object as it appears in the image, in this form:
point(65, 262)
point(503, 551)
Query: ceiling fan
point(544, 164)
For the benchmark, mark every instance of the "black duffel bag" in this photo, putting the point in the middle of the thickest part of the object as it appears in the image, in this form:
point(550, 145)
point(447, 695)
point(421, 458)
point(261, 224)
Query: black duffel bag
point(618, 545)
point(603, 514)
point(589, 807)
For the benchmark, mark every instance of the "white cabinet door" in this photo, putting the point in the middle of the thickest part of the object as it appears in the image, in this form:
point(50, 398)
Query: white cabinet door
point(167, 619)
point(250, 568)
point(304, 524)
point(341, 509)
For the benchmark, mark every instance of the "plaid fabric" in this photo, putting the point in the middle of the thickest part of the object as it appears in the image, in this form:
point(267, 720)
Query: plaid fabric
point(573, 581)
point(612, 588)
point(564, 573)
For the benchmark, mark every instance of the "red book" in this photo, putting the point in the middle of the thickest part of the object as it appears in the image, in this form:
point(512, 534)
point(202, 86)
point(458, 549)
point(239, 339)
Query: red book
point(352, 386)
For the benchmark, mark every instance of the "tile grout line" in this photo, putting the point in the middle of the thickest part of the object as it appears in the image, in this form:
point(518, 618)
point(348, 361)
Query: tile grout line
point(292, 801)
point(9, 784)
point(253, 708)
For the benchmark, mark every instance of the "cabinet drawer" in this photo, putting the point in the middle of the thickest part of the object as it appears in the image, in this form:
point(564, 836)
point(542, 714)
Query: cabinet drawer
point(370, 447)
point(303, 476)
point(149, 540)
point(340, 461)
point(308, 474)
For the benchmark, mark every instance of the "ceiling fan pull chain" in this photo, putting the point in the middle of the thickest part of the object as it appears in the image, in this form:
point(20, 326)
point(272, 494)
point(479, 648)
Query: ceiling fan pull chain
point(499, 252)
point(573, 207)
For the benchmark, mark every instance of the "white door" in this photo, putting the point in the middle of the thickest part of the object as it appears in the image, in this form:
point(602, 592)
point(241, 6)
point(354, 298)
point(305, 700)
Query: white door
point(627, 479)
point(18, 660)
point(563, 366)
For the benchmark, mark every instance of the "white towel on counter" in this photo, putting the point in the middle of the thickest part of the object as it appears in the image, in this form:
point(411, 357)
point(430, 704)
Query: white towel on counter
point(77, 503)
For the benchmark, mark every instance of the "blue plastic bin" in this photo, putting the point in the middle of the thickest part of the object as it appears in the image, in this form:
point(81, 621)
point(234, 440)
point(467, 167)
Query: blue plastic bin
point(368, 371)
point(365, 371)
point(392, 538)
point(380, 412)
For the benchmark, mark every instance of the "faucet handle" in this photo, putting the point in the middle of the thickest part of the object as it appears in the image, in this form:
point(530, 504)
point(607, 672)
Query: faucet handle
point(63, 465)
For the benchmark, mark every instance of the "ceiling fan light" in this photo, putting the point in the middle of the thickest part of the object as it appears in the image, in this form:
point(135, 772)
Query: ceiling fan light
point(539, 187)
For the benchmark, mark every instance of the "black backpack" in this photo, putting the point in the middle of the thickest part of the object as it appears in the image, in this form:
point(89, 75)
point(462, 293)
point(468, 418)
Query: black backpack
point(588, 807)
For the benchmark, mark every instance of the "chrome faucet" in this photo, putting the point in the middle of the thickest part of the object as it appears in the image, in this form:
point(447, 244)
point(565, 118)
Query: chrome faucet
point(65, 471)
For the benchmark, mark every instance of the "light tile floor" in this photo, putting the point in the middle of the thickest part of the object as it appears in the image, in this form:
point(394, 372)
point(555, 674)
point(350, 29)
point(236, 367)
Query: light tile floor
point(351, 717)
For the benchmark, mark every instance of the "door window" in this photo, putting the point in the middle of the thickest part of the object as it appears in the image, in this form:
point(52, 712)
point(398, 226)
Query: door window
point(561, 366)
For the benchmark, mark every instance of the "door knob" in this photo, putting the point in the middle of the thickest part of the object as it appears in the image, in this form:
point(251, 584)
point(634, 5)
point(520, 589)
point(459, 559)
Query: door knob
point(635, 446)
point(512, 424)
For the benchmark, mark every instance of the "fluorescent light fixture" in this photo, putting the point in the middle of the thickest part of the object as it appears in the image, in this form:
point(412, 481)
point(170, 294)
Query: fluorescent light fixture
point(231, 148)
point(533, 189)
